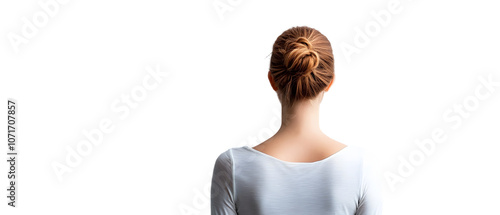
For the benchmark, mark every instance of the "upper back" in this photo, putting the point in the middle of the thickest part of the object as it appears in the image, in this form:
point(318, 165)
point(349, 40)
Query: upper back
point(266, 185)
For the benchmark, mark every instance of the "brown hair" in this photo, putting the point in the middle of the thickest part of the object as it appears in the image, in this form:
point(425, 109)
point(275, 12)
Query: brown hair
point(301, 64)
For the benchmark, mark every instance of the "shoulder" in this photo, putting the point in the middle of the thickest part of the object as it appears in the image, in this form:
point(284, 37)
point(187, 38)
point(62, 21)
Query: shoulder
point(354, 159)
point(354, 153)
point(224, 156)
point(364, 163)
point(361, 155)
point(223, 168)
point(224, 161)
point(228, 156)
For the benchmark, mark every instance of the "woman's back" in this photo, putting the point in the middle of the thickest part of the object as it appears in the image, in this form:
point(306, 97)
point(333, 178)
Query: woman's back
point(248, 181)
point(299, 170)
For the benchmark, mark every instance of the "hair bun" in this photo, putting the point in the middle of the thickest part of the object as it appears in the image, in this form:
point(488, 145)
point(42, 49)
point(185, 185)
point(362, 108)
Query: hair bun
point(299, 57)
point(301, 64)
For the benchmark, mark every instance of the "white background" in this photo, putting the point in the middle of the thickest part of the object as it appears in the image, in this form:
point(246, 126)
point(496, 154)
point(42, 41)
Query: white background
point(394, 91)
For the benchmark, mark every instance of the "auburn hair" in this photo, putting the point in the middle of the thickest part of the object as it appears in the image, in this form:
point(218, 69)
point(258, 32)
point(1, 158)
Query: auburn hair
point(301, 64)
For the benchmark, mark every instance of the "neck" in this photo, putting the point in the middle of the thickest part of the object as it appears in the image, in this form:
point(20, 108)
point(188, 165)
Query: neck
point(302, 119)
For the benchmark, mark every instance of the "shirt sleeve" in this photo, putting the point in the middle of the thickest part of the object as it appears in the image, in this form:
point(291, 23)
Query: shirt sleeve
point(222, 189)
point(370, 201)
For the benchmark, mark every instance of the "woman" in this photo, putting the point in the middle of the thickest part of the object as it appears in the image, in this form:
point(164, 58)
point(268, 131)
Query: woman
point(299, 170)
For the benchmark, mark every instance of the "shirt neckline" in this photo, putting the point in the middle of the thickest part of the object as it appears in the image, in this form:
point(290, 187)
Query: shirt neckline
point(296, 163)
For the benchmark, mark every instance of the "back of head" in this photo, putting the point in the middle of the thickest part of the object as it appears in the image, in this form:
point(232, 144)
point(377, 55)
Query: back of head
point(301, 64)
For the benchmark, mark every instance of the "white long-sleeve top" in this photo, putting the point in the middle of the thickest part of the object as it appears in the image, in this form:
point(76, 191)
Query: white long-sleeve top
point(249, 182)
